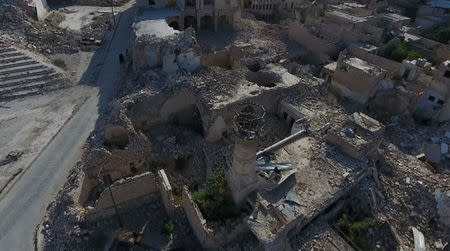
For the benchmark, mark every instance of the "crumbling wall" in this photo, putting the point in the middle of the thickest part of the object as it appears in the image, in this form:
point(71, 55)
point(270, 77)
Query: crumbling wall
point(288, 112)
point(301, 35)
point(165, 190)
point(172, 52)
point(354, 83)
point(443, 206)
point(128, 193)
point(337, 138)
point(37, 8)
point(115, 163)
point(165, 108)
point(209, 238)
point(388, 65)
point(358, 137)
point(198, 223)
point(217, 128)
point(392, 102)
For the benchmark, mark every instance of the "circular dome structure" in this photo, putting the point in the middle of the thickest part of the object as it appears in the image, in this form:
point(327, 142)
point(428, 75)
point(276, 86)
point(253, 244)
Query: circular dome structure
point(248, 121)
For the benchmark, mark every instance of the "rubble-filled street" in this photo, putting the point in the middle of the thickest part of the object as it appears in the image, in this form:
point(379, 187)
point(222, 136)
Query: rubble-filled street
point(225, 125)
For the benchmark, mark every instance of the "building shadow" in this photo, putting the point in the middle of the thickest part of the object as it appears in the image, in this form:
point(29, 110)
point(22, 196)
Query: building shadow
point(107, 69)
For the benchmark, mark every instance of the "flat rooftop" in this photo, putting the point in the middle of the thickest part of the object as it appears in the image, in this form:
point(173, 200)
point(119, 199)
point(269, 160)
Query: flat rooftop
point(322, 176)
point(346, 6)
point(153, 23)
point(365, 46)
point(346, 16)
point(363, 66)
point(395, 17)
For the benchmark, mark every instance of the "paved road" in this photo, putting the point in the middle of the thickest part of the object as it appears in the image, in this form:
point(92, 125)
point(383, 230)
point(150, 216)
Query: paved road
point(24, 205)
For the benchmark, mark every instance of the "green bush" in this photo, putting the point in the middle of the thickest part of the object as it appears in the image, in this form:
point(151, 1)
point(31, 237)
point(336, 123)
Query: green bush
point(441, 35)
point(402, 52)
point(168, 227)
point(356, 231)
point(216, 201)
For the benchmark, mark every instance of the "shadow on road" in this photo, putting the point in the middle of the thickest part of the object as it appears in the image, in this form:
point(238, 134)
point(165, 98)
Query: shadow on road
point(105, 71)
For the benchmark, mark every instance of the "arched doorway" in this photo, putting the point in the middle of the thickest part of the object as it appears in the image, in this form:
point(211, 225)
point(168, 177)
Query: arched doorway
point(206, 23)
point(190, 21)
point(189, 117)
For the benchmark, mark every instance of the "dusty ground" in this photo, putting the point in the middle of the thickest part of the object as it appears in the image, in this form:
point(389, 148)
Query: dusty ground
point(76, 17)
point(29, 124)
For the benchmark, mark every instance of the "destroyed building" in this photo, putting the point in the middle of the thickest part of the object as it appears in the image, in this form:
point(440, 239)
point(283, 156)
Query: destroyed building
point(294, 156)
point(356, 79)
point(435, 101)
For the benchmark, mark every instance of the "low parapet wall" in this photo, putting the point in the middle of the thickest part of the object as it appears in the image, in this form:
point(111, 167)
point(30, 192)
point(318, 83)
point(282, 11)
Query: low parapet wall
point(128, 193)
point(208, 238)
point(198, 223)
point(165, 190)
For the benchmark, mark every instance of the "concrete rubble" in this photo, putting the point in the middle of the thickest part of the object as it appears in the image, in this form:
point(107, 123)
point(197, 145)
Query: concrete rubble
point(305, 111)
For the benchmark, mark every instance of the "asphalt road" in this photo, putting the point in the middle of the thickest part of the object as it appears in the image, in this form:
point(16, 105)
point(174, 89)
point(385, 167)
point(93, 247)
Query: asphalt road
point(24, 205)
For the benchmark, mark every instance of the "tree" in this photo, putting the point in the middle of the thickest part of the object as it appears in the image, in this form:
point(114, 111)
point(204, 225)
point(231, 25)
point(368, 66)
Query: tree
point(216, 201)
point(402, 52)
point(441, 35)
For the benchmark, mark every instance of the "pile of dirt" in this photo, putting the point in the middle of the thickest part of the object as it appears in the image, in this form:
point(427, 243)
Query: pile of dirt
point(44, 37)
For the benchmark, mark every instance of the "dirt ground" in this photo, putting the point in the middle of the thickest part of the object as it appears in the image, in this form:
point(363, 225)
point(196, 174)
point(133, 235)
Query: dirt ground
point(29, 124)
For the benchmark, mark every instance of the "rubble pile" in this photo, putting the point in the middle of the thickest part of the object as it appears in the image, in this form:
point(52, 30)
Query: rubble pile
point(97, 29)
point(409, 186)
point(182, 119)
point(265, 38)
point(43, 37)
point(62, 226)
point(184, 147)
point(214, 82)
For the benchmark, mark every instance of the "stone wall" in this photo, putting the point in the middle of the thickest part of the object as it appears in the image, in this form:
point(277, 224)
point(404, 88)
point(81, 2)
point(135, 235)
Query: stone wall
point(128, 193)
point(388, 65)
point(198, 223)
point(209, 238)
point(301, 35)
point(165, 190)
point(37, 8)
point(335, 137)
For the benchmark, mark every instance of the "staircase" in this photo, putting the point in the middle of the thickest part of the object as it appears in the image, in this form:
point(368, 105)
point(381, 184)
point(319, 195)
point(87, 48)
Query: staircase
point(22, 76)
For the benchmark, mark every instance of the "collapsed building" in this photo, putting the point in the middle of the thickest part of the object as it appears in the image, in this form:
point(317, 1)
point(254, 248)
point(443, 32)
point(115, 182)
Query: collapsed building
point(185, 113)
point(389, 87)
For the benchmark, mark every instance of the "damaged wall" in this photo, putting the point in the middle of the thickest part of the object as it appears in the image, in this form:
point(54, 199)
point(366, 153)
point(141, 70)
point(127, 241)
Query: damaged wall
point(37, 8)
point(128, 193)
point(156, 44)
point(209, 238)
point(301, 35)
point(165, 190)
point(198, 223)
point(181, 107)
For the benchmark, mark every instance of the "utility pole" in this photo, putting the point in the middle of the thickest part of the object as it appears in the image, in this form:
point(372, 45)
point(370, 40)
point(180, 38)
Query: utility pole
point(112, 12)
point(109, 181)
